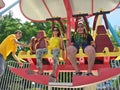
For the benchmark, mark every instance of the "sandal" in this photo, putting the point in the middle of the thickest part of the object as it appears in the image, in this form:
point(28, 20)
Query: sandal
point(79, 73)
point(90, 74)
point(40, 73)
point(31, 72)
point(52, 78)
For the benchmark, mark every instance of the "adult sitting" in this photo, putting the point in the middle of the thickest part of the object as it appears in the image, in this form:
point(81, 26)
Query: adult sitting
point(55, 43)
point(84, 40)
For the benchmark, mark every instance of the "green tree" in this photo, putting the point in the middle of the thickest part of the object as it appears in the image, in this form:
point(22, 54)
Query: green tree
point(113, 39)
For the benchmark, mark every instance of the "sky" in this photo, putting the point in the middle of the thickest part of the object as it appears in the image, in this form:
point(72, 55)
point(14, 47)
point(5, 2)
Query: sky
point(16, 10)
point(113, 17)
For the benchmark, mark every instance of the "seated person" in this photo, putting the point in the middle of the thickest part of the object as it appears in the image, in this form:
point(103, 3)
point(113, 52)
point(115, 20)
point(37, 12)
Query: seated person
point(84, 40)
point(38, 42)
point(54, 44)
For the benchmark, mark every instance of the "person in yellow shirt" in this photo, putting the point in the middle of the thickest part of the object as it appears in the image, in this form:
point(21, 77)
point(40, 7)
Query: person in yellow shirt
point(54, 44)
point(9, 45)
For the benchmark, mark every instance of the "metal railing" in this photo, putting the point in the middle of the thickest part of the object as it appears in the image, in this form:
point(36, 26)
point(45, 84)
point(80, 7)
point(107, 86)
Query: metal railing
point(10, 81)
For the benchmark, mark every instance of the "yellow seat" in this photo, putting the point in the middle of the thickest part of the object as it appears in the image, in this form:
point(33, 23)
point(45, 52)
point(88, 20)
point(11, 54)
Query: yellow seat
point(25, 55)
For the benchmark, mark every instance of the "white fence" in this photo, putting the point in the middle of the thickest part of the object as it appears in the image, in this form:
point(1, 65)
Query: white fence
point(10, 81)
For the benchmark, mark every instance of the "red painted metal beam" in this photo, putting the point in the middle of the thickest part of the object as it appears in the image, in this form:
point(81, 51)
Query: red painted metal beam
point(69, 17)
point(92, 6)
point(47, 8)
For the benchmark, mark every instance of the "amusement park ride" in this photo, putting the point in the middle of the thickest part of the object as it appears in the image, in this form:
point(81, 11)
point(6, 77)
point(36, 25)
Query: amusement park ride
point(71, 10)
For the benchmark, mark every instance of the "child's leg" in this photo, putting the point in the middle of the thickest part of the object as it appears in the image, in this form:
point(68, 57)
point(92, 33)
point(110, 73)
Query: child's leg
point(39, 53)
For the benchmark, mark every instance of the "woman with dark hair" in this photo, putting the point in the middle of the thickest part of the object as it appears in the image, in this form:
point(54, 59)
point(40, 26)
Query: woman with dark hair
point(54, 44)
point(85, 41)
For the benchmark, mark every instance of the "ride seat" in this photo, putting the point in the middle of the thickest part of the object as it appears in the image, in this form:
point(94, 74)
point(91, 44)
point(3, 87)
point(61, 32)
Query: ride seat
point(102, 40)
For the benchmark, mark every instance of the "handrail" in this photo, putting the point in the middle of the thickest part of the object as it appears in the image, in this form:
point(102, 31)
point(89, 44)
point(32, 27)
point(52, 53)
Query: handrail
point(23, 54)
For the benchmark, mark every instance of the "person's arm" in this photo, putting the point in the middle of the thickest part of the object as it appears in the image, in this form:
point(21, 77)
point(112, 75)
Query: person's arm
point(21, 44)
point(17, 59)
point(92, 42)
point(61, 43)
point(47, 41)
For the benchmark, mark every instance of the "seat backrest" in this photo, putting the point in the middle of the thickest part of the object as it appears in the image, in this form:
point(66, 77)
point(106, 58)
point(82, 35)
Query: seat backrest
point(32, 45)
point(102, 40)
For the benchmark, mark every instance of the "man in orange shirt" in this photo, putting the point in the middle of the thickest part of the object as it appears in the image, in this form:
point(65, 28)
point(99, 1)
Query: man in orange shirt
point(9, 45)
